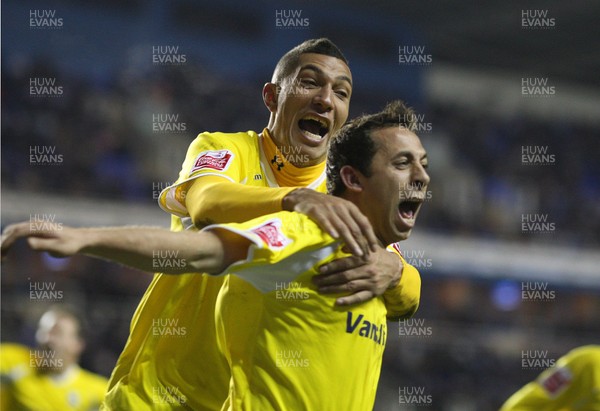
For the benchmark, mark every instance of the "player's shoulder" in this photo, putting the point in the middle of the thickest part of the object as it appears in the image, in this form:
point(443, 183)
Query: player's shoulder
point(11, 351)
point(14, 361)
point(292, 222)
point(283, 230)
point(245, 140)
point(288, 227)
point(584, 355)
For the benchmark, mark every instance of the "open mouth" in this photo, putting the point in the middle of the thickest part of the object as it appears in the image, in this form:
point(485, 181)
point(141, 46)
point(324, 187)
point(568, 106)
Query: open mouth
point(314, 127)
point(408, 208)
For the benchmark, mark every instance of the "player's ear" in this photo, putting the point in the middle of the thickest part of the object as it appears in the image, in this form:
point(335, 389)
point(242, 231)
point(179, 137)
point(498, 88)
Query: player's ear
point(352, 178)
point(270, 96)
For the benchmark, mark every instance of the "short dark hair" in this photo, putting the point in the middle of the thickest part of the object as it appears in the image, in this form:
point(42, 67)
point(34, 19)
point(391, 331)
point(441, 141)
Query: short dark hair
point(352, 145)
point(289, 61)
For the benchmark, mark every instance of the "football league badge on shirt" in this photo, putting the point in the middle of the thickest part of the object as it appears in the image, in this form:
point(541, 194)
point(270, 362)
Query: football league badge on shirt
point(271, 234)
point(218, 160)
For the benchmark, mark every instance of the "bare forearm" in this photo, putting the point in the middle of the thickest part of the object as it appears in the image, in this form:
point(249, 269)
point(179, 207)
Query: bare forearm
point(155, 249)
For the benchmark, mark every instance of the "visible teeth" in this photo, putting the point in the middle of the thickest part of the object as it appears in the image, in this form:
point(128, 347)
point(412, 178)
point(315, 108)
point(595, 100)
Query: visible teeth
point(318, 119)
point(309, 134)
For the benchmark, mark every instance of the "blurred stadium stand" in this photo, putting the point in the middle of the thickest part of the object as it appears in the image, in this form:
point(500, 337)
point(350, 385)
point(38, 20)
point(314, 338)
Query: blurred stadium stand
point(474, 257)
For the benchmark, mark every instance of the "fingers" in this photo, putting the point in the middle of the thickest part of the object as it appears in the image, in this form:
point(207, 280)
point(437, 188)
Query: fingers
point(346, 287)
point(37, 238)
point(357, 229)
point(346, 279)
point(338, 217)
point(38, 244)
point(325, 282)
point(340, 225)
point(359, 283)
point(367, 231)
point(364, 277)
point(350, 232)
point(339, 266)
point(326, 225)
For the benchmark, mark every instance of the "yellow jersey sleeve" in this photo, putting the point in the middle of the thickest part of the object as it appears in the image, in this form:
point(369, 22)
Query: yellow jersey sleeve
point(210, 154)
point(403, 301)
point(275, 237)
point(211, 200)
point(572, 384)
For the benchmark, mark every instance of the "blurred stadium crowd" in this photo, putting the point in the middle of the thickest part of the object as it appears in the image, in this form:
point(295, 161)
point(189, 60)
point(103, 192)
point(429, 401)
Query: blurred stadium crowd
point(480, 187)
point(113, 148)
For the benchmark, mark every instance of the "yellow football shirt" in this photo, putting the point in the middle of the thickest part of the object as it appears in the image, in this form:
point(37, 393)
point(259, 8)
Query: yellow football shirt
point(25, 388)
point(573, 384)
point(156, 369)
point(289, 347)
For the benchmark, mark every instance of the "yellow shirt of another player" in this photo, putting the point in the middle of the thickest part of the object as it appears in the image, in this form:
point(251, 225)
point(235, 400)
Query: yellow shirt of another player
point(289, 347)
point(26, 388)
point(158, 368)
point(573, 384)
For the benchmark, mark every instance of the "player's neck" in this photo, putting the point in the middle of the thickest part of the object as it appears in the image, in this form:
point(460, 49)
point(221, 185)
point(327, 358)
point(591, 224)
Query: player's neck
point(285, 171)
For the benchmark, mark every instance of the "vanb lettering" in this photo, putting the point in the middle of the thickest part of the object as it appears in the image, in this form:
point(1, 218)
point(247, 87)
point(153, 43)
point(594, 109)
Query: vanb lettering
point(365, 328)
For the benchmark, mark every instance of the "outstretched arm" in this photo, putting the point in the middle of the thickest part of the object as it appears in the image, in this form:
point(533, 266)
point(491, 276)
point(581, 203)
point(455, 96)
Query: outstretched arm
point(144, 248)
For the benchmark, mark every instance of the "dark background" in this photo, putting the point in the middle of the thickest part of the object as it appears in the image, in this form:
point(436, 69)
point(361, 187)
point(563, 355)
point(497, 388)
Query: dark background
point(473, 254)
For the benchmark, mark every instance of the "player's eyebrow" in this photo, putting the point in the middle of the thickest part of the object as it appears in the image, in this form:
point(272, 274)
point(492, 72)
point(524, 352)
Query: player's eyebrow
point(321, 72)
point(410, 155)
